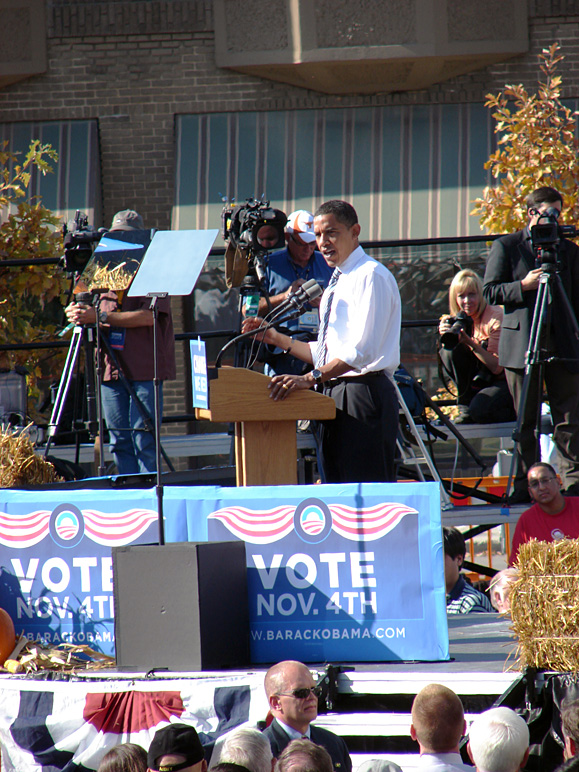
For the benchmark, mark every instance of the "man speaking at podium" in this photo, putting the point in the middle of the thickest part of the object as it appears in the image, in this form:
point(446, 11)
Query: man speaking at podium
point(354, 356)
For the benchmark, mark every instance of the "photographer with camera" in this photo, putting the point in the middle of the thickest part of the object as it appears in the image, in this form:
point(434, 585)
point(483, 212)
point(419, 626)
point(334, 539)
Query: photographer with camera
point(286, 271)
point(512, 276)
point(128, 324)
point(468, 351)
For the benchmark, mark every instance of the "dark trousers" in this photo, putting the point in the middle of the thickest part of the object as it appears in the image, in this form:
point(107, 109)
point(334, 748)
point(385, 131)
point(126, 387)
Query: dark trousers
point(563, 393)
point(359, 445)
point(488, 400)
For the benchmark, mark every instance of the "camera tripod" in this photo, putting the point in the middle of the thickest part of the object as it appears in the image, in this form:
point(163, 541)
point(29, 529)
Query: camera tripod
point(550, 293)
point(87, 337)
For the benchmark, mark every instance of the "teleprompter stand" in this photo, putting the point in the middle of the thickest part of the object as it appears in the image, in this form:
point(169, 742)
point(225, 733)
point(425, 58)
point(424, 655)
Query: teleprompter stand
point(171, 266)
point(550, 292)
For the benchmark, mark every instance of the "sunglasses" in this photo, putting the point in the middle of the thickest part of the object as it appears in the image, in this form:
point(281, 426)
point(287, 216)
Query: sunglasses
point(302, 694)
point(541, 481)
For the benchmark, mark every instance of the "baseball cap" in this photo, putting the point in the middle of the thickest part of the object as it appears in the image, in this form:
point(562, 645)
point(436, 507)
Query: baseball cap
point(301, 223)
point(179, 739)
point(127, 220)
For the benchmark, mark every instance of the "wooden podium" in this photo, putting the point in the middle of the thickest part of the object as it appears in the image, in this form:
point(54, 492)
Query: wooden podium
point(265, 431)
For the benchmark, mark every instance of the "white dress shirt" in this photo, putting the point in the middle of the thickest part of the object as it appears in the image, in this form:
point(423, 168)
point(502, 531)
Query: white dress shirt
point(443, 762)
point(364, 326)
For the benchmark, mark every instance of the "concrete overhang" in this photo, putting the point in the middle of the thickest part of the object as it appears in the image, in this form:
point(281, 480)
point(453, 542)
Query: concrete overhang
point(367, 47)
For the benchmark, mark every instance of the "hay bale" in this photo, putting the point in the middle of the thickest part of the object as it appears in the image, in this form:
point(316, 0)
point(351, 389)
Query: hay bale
point(19, 464)
point(545, 605)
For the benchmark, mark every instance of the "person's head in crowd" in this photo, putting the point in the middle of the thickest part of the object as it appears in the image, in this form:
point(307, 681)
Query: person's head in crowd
point(126, 757)
point(570, 765)
point(292, 694)
point(228, 766)
point(437, 720)
point(304, 756)
point(249, 748)
point(466, 294)
point(454, 552)
point(545, 487)
point(300, 236)
point(174, 748)
point(127, 220)
point(500, 588)
point(378, 765)
point(498, 741)
point(539, 201)
point(570, 727)
point(337, 229)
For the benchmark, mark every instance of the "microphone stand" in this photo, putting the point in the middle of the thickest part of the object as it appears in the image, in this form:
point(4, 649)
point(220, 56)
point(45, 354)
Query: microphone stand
point(298, 301)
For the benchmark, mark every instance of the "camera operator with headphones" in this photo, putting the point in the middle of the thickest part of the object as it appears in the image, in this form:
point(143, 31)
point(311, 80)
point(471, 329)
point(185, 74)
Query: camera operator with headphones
point(469, 344)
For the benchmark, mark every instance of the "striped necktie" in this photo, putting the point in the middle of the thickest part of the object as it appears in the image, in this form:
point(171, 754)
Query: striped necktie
point(321, 351)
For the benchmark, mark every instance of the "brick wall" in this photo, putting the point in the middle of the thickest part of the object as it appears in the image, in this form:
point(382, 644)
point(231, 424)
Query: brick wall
point(135, 65)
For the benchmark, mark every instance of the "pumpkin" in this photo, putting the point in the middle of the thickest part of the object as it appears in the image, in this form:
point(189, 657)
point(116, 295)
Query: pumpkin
point(7, 635)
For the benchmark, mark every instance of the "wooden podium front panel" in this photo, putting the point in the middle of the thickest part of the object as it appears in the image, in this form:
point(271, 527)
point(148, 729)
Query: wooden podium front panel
point(266, 453)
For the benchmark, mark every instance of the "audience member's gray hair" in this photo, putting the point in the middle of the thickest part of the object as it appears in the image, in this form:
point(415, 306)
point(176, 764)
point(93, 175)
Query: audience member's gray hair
point(498, 740)
point(248, 747)
point(378, 765)
point(304, 756)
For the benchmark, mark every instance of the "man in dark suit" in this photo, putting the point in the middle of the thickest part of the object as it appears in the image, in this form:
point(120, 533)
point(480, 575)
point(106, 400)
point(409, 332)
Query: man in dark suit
point(293, 702)
point(512, 276)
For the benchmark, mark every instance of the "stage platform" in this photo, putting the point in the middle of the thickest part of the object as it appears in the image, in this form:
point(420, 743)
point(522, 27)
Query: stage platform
point(371, 702)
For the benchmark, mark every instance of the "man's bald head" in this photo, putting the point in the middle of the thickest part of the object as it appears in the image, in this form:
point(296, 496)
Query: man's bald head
point(437, 719)
point(276, 678)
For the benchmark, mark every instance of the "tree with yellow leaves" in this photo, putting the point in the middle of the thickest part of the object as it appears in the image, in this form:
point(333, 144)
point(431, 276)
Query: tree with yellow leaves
point(536, 147)
point(29, 232)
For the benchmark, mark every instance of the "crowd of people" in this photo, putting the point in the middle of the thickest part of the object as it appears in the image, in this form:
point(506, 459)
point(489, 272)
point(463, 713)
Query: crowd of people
point(497, 740)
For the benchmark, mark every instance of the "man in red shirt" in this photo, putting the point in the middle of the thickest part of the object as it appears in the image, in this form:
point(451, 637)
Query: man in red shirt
point(552, 517)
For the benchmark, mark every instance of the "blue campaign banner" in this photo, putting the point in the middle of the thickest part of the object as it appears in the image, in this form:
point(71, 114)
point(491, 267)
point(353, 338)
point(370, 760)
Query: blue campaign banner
point(55, 559)
point(348, 572)
point(199, 370)
point(340, 572)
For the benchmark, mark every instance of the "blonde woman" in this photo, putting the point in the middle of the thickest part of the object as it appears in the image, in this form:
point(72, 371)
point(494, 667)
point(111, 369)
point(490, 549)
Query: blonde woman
point(469, 344)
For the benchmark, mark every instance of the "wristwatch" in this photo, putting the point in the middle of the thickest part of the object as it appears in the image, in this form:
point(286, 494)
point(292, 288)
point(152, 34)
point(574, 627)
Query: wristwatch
point(317, 375)
point(103, 316)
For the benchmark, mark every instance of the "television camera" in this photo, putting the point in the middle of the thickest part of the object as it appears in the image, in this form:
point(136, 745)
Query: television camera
point(251, 230)
point(546, 236)
point(79, 242)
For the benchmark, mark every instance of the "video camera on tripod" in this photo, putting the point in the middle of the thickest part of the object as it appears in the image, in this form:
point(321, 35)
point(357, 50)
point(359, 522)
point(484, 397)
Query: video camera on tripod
point(79, 243)
point(546, 236)
point(251, 230)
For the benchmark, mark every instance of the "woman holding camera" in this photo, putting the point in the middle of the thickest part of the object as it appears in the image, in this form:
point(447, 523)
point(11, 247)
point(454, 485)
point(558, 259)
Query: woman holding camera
point(469, 344)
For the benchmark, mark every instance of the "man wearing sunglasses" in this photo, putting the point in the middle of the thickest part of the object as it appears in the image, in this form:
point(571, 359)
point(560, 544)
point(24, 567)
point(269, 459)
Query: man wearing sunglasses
point(287, 270)
point(512, 276)
point(293, 703)
point(552, 517)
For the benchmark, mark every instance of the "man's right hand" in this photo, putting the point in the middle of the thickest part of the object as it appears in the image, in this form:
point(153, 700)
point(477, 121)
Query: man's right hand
point(253, 323)
point(531, 280)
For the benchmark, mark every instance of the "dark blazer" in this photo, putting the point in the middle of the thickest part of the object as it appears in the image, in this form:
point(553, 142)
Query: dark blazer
point(335, 746)
point(510, 260)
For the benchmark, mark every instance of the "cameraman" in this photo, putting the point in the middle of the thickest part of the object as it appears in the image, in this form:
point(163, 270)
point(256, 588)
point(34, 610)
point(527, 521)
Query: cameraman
point(287, 270)
point(129, 326)
point(511, 279)
point(468, 351)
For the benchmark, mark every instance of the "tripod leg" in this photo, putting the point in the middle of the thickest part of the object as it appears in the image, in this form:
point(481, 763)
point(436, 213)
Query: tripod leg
point(533, 376)
point(64, 385)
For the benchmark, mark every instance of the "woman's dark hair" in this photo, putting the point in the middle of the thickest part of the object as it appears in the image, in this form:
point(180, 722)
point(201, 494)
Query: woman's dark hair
point(126, 757)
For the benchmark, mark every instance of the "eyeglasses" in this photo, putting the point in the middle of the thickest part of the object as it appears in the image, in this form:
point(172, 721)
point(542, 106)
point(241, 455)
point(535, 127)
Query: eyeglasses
point(303, 694)
point(541, 481)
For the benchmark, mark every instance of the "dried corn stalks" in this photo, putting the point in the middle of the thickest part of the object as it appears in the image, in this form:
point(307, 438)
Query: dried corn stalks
point(19, 464)
point(545, 605)
point(35, 657)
